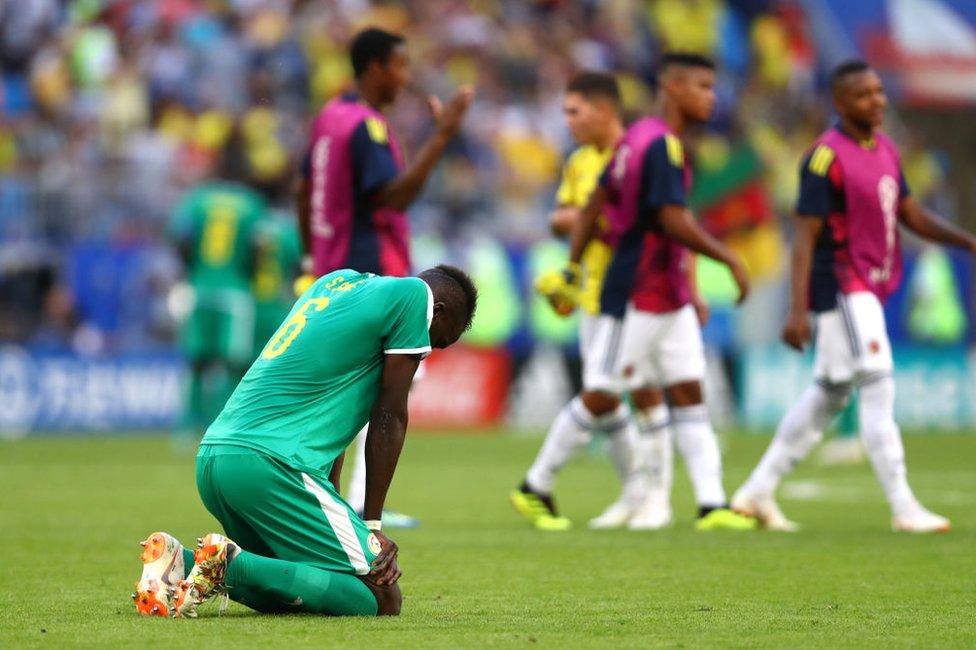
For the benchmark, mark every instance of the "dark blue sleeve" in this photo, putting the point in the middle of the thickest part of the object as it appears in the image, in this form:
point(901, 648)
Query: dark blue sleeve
point(373, 162)
point(816, 192)
point(662, 178)
point(903, 191)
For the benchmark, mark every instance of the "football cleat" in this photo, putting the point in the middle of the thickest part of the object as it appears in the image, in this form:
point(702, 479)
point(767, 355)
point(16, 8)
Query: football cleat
point(206, 579)
point(765, 510)
point(725, 519)
point(162, 571)
point(616, 515)
point(539, 509)
point(920, 520)
point(653, 514)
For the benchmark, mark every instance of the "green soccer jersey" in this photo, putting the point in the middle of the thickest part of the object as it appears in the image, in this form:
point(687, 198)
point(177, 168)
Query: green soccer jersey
point(279, 253)
point(314, 384)
point(218, 221)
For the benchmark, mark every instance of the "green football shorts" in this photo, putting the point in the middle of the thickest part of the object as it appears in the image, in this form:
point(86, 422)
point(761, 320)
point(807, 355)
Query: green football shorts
point(273, 510)
point(221, 326)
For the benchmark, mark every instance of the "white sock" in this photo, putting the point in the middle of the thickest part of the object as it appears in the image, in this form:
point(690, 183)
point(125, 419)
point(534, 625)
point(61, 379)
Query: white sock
point(357, 482)
point(882, 441)
point(699, 447)
point(798, 432)
point(569, 431)
point(656, 449)
point(623, 439)
point(625, 453)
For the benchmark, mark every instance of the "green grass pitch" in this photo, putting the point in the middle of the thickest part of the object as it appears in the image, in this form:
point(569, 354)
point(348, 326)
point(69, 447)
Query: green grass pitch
point(475, 575)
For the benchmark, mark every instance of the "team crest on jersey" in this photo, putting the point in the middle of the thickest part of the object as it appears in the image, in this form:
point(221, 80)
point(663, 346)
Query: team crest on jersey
point(373, 543)
point(874, 347)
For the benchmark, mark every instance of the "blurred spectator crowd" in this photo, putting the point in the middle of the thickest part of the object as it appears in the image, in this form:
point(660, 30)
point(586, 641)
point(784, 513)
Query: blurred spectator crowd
point(112, 108)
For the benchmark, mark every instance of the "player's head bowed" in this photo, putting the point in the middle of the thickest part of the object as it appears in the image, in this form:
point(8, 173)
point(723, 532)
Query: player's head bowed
point(859, 95)
point(455, 301)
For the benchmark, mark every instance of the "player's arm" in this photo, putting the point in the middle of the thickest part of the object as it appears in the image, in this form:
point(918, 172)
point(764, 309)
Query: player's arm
point(335, 474)
point(679, 224)
point(387, 429)
point(564, 217)
point(585, 226)
point(819, 184)
point(303, 211)
point(401, 191)
point(806, 231)
point(928, 225)
point(384, 441)
point(180, 227)
point(701, 307)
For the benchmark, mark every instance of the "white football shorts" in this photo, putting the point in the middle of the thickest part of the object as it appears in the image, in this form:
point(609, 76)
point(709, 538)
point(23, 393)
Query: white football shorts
point(644, 349)
point(851, 341)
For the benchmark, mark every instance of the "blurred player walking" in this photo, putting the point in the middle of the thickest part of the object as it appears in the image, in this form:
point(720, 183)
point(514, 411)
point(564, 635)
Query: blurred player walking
point(279, 253)
point(846, 262)
point(648, 333)
point(592, 110)
point(214, 228)
point(356, 187)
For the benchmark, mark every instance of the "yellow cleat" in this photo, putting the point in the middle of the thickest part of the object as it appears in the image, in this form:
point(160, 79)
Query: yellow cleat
point(538, 510)
point(725, 519)
point(553, 524)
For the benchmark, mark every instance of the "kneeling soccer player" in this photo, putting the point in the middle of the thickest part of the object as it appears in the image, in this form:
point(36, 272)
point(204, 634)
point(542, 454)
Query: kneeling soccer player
point(269, 465)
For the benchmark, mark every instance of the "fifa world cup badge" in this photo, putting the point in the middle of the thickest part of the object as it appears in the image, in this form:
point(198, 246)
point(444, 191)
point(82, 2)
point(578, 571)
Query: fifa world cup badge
point(374, 544)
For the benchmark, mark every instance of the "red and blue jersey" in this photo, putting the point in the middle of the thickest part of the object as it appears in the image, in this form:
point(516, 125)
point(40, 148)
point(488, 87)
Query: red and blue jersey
point(648, 171)
point(352, 155)
point(856, 188)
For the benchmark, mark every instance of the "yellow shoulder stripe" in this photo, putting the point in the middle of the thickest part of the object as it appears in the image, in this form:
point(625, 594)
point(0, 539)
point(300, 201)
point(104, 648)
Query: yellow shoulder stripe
point(676, 153)
point(821, 160)
point(377, 130)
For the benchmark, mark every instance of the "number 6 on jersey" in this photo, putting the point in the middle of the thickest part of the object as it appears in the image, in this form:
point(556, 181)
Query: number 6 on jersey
point(291, 329)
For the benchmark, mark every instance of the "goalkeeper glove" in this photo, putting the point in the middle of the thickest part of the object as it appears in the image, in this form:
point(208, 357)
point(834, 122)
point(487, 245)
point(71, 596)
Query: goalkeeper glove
point(561, 288)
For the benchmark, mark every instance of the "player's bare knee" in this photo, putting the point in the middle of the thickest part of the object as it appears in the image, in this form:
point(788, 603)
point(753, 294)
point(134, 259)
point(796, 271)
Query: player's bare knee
point(599, 403)
point(647, 398)
point(688, 393)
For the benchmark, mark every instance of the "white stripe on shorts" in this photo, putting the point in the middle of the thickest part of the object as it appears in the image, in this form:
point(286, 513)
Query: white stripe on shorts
point(338, 517)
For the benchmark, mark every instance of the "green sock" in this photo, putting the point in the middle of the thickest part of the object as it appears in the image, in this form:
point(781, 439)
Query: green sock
point(270, 585)
point(188, 562)
point(193, 402)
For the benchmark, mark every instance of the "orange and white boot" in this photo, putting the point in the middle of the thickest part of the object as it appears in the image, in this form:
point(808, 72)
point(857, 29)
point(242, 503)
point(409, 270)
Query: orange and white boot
point(162, 571)
point(206, 579)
